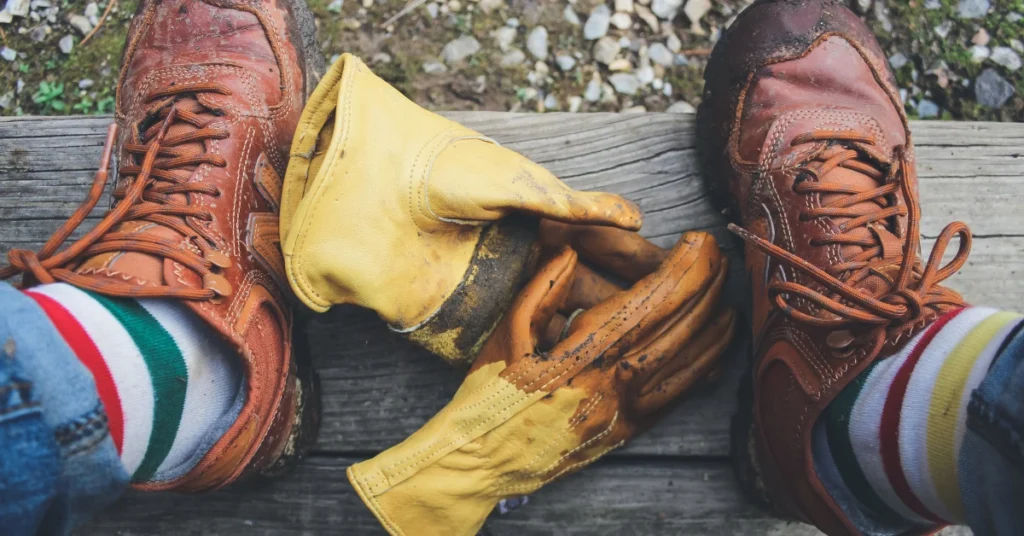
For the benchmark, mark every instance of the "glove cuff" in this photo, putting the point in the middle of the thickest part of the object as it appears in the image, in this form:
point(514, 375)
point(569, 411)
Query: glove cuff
point(496, 273)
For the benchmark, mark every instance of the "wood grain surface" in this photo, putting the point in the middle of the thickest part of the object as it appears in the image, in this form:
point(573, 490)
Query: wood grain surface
point(675, 479)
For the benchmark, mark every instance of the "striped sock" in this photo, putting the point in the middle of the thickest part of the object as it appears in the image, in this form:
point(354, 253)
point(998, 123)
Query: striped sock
point(154, 363)
point(895, 433)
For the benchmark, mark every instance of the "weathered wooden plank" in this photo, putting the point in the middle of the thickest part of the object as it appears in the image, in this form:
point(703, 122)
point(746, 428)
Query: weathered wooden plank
point(658, 497)
point(612, 497)
point(378, 388)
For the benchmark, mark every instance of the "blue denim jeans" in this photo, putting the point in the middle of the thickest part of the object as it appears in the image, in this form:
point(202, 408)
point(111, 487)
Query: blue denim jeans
point(991, 464)
point(58, 463)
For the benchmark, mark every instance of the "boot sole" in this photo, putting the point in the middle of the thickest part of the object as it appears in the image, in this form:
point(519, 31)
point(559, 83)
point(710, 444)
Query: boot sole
point(306, 426)
point(742, 436)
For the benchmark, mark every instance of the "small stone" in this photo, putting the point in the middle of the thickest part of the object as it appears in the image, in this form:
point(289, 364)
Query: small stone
point(335, 6)
point(488, 6)
point(605, 50)
point(537, 42)
point(512, 23)
point(992, 90)
point(80, 23)
point(91, 9)
point(981, 38)
point(529, 94)
point(1017, 45)
point(666, 9)
point(454, 6)
point(882, 14)
point(513, 58)
point(657, 84)
point(570, 15)
point(979, 53)
point(593, 91)
point(66, 43)
point(862, 6)
point(565, 62)
point(624, 42)
point(351, 23)
point(645, 75)
point(927, 109)
point(5, 103)
point(943, 29)
point(621, 21)
point(504, 37)
point(434, 67)
point(597, 23)
point(19, 85)
point(5, 16)
point(972, 9)
point(624, 6)
point(625, 83)
point(695, 11)
point(898, 60)
point(85, 83)
point(381, 58)
point(1014, 17)
point(38, 33)
point(8, 54)
point(574, 103)
point(17, 8)
point(673, 43)
point(681, 107)
point(620, 64)
point(933, 4)
point(648, 17)
point(550, 102)
point(1006, 57)
point(661, 55)
point(638, 109)
point(432, 10)
point(460, 49)
point(608, 95)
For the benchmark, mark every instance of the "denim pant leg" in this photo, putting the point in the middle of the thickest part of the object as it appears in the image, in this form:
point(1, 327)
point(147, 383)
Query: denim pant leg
point(991, 465)
point(56, 455)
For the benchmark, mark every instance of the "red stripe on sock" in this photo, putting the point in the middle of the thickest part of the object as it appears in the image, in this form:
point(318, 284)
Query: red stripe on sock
point(890, 425)
point(83, 347)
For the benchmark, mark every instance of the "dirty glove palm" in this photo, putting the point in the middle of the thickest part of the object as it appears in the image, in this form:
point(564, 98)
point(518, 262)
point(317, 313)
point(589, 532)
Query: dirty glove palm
point(389, 206)
point(526, 415)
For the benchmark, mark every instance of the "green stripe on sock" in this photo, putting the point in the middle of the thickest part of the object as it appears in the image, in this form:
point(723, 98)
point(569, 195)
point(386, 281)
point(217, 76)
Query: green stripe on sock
point(167, 371)
point(837, 427)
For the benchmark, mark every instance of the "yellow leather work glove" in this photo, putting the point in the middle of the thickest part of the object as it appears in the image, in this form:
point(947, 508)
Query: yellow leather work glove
point(394, 208)
point(533, 408)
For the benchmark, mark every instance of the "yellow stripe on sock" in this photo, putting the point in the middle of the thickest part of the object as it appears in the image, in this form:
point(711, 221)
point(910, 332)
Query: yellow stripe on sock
point(943, 410)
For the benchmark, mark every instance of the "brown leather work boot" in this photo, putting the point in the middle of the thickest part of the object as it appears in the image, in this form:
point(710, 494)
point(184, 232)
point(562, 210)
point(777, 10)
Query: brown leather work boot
point(209, 96)
point(807, 147)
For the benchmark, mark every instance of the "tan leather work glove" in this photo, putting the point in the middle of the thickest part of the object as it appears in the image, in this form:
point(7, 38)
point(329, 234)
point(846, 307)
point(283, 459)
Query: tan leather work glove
point(394, 208)
point(533, 409)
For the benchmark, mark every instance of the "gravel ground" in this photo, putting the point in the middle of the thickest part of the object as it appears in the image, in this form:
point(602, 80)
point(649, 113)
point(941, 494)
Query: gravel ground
point(954, 59)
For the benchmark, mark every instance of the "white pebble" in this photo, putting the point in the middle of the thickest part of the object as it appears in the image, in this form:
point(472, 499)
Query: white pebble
point(681, 107)
point(537, 42)
point(597, 23)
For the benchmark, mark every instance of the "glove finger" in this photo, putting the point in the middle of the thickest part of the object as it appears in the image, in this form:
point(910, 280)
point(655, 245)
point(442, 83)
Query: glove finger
point(622, 253)
point(476, 180)
point(588, 289)
point(689, 270)
point(667, 339)
point(694, 363)
point(526, 322)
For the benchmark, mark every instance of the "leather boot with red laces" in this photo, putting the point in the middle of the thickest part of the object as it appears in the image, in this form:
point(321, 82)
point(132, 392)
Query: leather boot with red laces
point(209, 95)
point(807, 149)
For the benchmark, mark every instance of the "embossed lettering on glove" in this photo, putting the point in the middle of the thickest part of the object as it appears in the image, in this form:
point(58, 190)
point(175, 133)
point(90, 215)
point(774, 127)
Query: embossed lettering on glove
point(536, 406)
point(391, 207)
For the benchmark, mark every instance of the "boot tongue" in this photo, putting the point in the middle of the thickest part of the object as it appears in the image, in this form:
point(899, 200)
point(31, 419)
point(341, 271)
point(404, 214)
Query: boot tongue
point(142, 268)
point(879, 232)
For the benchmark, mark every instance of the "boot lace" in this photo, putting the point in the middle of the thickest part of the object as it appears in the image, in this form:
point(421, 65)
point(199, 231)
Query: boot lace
point(155, 189)
point(915, 294)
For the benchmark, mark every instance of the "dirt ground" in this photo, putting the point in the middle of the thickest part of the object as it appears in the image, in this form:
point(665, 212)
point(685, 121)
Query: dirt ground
point(930, 42)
